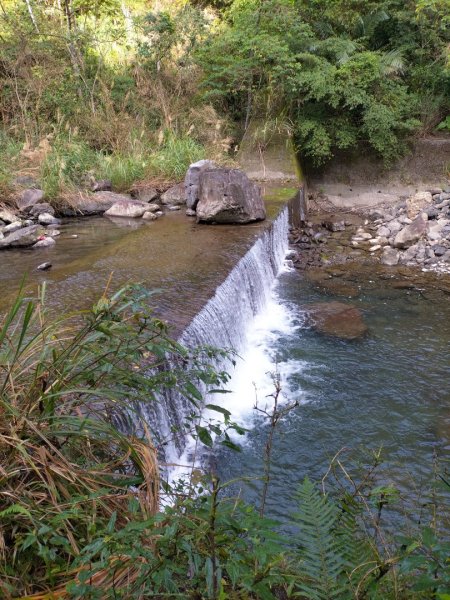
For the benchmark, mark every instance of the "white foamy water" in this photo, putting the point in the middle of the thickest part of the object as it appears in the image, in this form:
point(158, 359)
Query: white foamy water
point(253, 378)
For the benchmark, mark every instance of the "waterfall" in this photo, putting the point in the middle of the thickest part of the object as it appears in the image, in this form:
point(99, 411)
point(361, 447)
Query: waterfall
point(224, 322)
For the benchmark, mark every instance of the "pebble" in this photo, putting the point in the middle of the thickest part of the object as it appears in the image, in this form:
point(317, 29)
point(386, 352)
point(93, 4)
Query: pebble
point(44, 266)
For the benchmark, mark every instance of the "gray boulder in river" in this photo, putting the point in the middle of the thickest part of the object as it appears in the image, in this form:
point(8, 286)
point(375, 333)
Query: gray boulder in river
point(192, 181)
point(228, 196)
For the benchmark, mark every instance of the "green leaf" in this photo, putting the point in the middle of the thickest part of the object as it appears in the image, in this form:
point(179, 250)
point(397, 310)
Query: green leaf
point(204, 436)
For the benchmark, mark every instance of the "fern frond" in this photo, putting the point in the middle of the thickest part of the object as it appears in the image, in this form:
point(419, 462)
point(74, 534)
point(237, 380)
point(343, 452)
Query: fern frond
point(320, 555)
point(392, 63)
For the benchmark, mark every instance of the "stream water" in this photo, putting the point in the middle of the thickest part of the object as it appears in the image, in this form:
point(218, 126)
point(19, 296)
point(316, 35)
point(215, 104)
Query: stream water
point(389, 390)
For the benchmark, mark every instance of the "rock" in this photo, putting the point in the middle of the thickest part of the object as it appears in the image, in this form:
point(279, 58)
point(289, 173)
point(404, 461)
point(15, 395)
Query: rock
point(149, 216)
point(102, 185)
point(416, 203)
point(175, 207)
point(336, 319)
point(384, 231)
point(127, 208)
point(432, 212)
point(93, 204)
point(409, 254)
point(29, 198)
point(25, 181)
point(48, 219)
point(46, 242)
point(27, 236)
point(405, 220)
point(14, 226)
point(375, 248)
point(53, 232)
point(7, 215)
point(446, 257)
point(390, 257)
point(435, 191)
point(152, 208)
point(228, 196)
point(174, 196)
point(192, 181)
point(41, 208)
point(27, 222)
point(44, 266)
point(144, 194)
point(439, 250)
point(412, 233)
point(333, 225)
point(191, 212)
point(394, 227)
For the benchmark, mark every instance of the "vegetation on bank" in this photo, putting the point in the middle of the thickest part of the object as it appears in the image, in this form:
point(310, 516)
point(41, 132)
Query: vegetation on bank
point(80, 509)
point(129, 91)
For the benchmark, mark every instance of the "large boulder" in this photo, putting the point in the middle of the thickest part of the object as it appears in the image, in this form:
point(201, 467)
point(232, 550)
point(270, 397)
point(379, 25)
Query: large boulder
point(27, 236)
point(336, 319)
point(228, 196)
point(192, 181)
point(174, 196)
point(29, 198)
point(127, 208)
point(412, 233)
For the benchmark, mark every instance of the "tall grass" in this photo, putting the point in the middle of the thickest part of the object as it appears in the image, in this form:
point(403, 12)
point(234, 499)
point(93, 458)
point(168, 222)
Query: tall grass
point(67, 472)
point(9, 152)
point(175, 156)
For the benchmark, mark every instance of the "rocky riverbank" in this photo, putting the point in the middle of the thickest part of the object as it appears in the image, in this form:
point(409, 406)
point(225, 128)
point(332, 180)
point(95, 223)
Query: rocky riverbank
point(209, 193)
point(415, 232)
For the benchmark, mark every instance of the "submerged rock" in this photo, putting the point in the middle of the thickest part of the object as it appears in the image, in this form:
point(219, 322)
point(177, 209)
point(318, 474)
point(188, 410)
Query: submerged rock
point(336, 319)
point(228, 196)
point(390, 257)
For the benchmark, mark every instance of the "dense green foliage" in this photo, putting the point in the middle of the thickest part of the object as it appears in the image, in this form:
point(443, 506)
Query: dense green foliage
point(344, 74)
point(138, 91)
point(80, 512)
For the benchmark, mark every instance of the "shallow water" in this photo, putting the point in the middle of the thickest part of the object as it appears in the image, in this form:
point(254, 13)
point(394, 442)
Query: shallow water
point(389, 390)
point(183, 260)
